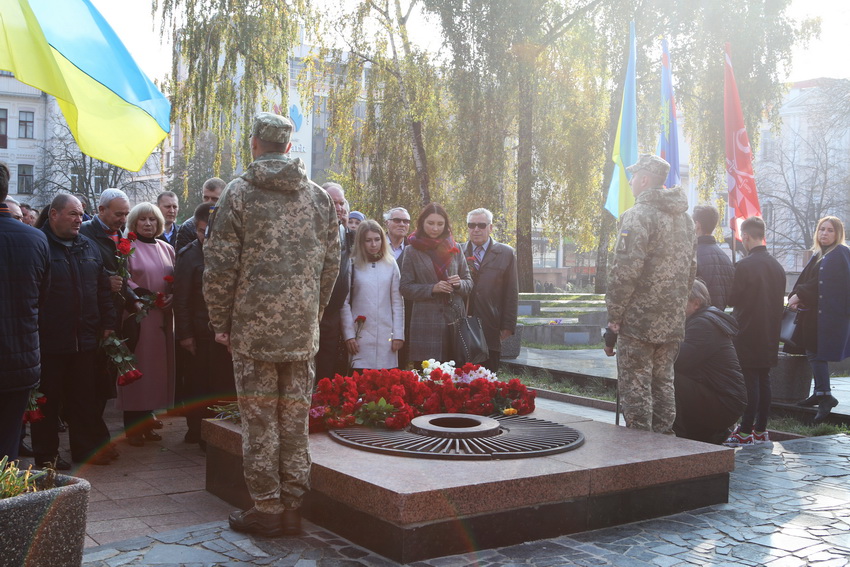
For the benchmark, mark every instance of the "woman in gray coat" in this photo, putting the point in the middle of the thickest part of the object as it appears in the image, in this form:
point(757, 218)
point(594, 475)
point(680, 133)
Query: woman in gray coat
point(435, 277)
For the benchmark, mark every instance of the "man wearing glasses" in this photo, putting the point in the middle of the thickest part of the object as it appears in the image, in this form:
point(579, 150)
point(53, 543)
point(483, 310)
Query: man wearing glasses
point(398, 225)
point(495, 288)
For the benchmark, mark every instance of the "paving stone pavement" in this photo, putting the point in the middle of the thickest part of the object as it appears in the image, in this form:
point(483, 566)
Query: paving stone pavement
point(789, 505)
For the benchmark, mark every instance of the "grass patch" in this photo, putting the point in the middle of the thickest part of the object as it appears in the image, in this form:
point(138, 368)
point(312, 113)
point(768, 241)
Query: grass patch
point(543, 380)
point(599, 345)
point(791, 425)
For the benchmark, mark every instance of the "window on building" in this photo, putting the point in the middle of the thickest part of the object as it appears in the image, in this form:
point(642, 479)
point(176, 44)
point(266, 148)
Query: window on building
point(100, 180)
point(26, 124)
point(4, 117)
point(25, 179)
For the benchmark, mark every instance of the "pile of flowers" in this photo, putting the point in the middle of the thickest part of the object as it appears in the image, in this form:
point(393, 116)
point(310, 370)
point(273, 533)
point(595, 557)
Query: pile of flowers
point(392, 398)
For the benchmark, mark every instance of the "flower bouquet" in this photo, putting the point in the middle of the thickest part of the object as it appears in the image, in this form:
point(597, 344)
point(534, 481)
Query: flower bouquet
point(33, 412)
point(392, 398)
point(123, 250)
point(121, 357)
point(151, 300)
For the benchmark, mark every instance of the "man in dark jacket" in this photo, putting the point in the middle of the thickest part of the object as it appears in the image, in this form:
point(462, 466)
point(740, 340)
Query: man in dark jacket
point(757, 298)
point(24, 280)
point(209, 367)
point(169, 207)
point(713, 266)
point(495, 287)
point(77, 313)
point(328, 359)
point(104, 231)
point(710, 391)
point(210, 193)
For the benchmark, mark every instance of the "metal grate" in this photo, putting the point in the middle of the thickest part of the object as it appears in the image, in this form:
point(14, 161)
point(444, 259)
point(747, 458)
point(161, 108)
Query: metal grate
point(518, 437)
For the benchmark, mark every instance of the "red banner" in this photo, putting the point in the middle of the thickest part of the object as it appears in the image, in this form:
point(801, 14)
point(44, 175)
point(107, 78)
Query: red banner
point(743, 198)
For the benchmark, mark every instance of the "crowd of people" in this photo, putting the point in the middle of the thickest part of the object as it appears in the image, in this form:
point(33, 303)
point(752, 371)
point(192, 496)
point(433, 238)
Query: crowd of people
point(274, 283)
point(271, 284)
point(685, 365)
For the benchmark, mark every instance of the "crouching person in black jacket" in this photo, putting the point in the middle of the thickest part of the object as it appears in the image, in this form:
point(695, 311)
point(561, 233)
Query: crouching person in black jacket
point(209, 374)
point(710, 391)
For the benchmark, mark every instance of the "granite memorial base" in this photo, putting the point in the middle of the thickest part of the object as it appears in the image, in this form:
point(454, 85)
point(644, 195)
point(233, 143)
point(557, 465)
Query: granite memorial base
point(410, 509)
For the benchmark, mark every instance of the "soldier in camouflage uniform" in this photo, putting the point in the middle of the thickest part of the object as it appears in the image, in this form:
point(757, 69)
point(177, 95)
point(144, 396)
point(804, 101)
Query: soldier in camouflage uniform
point(271, 261)
point(648, 286)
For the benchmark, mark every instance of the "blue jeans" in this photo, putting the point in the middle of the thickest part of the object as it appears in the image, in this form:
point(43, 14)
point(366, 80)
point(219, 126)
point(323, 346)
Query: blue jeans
point(820, 370)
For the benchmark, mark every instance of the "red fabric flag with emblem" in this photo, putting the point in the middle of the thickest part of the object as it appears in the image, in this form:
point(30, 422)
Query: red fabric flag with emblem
point(743, 198)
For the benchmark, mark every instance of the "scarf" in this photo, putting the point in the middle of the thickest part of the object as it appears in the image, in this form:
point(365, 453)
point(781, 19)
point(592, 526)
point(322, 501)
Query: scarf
point(440, 250)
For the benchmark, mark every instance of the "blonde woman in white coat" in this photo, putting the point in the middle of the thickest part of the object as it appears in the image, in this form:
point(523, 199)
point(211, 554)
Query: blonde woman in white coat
point(375, 341)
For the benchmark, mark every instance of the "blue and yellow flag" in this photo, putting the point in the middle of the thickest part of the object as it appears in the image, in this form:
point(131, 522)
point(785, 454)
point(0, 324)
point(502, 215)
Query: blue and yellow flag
point(668, 140)
point(625, 152)
point(66, 49)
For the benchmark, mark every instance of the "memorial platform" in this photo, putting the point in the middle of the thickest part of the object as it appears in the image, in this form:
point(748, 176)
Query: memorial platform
point(411, 509)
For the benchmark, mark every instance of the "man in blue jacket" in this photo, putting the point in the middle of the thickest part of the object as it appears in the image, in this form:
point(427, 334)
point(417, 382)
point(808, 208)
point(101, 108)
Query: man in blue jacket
point(24, 278)
point(76, 314)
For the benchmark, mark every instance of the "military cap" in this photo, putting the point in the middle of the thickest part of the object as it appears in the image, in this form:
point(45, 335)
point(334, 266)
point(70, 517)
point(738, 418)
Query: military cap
point(653, 165)
point(272, 127)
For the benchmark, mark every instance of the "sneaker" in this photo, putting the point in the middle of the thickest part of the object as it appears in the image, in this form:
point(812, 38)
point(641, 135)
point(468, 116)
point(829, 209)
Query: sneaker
point(761, 437)
point(739, 440)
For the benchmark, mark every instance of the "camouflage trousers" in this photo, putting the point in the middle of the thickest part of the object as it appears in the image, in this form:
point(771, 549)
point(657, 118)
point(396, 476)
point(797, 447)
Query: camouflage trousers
point(274, 400)
point(645, 380)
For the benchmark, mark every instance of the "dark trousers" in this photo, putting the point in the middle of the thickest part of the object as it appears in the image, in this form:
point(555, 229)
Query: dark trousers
point(328, 360)
point(12, 408)
point(209, 381)
point(701, 414)
point(492, 363)
point(758, 399)
point(69, 382)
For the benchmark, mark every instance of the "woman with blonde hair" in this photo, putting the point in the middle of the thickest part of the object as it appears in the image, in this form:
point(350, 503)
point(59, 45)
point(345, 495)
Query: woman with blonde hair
point(822, 297)
point(151, 268)
point(373, 313)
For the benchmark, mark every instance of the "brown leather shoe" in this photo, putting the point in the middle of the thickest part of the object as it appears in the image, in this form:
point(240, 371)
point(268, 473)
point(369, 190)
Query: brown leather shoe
point(136, 440)
point(156, 424)
point(255, 522)
point(291, 522)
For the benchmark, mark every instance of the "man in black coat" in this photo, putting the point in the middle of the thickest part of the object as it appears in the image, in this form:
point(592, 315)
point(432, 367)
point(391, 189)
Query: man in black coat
point(329, 361)
point(168, 205)
point(495, 287)
point(76, 315)
point(758, 299)
point(209, 366)
point(710, 390)
point(713, 266)
point(211, 192)
point(104, 231)
point(24, 281)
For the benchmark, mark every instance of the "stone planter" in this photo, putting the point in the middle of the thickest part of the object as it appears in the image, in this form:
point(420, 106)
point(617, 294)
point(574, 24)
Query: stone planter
point(791, 380)
point(45, 528)
point(511, 345)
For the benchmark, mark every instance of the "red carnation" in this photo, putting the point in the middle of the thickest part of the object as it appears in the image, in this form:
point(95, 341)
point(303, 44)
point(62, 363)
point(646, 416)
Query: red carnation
point(131, 236)
point(124, 246)
point(360, 319)
point(169, 279)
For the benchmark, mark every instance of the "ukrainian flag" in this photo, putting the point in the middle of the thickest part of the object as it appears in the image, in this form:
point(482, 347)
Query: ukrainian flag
point(625, 152)
point(65, 48)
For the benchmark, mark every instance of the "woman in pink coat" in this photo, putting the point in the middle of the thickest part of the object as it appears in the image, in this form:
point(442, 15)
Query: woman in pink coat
point(151, 268)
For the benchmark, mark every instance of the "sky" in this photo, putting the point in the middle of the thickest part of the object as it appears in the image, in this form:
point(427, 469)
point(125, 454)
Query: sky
point(826, 57)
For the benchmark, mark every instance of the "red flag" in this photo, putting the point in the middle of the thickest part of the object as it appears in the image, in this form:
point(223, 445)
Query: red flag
point(743, 199)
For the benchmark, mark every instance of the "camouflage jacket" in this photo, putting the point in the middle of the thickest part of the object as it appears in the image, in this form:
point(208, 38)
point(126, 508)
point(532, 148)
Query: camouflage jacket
point(272, 258)
point(654, 267)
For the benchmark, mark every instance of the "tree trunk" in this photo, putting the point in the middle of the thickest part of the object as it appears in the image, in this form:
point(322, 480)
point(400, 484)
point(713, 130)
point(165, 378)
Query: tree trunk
point(525, 176)
point(420, 160)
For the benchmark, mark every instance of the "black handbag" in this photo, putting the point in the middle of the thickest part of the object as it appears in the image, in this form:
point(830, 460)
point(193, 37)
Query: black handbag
point(788, 327)
point(464, 340)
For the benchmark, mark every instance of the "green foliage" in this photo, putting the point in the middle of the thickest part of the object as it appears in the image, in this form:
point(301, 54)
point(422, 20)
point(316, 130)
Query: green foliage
point(227, 56)
point(374, 414)
point(14, 481)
